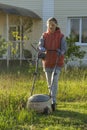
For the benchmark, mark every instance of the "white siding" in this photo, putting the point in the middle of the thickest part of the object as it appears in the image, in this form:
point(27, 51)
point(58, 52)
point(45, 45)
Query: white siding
point(34, 5)
point(69, 8)
point(48, 11)
point(60, 9)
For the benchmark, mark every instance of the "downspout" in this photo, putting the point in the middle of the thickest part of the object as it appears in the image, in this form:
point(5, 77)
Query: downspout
point(21, 41)
point(7, 39)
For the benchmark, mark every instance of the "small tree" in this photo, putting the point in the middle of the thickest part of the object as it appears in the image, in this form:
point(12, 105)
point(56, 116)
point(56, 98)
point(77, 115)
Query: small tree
point(3, 46)
point(73, 50)
point(21, 36)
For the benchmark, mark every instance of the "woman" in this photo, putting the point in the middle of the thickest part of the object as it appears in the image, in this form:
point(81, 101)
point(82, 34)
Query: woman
point(52, 42)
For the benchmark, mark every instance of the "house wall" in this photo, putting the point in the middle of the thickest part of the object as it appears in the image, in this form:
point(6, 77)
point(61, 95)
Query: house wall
point(33, 5)
point(2, 24)
point(68, 8)
point(63, 9)
point(60, 9)
point(44, 8)
point(33, 36)
point(48, 11)
point(36, 7)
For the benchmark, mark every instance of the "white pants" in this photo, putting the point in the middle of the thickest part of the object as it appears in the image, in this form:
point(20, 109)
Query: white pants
point(52, 81)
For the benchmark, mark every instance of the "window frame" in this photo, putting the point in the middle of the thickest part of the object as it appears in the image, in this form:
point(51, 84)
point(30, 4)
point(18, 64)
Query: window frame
point(12, 26)
point(80, 29)
point(15, 41)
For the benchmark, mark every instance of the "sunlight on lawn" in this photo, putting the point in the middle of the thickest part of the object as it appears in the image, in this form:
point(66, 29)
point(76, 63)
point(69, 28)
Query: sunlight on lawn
point(71, 111)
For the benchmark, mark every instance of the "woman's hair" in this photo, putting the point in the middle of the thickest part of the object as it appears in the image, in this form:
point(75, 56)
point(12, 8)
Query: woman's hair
point(52, 19)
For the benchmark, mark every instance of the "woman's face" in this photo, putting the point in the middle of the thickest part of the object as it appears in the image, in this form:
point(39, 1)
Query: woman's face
point(51, 26)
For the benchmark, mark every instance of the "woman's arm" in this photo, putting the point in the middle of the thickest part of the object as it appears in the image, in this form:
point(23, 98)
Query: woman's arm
point(63, 47)
point(41, 44)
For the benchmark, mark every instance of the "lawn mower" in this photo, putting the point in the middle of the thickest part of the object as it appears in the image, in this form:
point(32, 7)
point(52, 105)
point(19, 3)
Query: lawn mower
point(40, 103)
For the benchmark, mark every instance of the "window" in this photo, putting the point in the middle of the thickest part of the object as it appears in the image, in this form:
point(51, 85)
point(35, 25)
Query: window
point(12, 29)
point(84, 30)
point(16, 46)
point(78, 29)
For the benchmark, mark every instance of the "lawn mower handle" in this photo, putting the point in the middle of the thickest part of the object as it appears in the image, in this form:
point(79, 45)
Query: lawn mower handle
point(37, 49)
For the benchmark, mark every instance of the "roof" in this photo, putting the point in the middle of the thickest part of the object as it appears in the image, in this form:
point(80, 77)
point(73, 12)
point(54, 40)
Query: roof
point(9, 9)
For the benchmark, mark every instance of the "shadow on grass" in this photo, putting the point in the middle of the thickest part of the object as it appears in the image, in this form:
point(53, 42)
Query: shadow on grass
point(69, 118)
point(15, 68)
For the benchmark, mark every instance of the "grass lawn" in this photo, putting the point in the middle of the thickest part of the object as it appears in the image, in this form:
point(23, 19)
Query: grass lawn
point(71, 109)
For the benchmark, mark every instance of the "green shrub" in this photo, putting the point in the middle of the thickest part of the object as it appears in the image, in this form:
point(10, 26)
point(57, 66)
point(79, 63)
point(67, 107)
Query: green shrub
point(27, 54)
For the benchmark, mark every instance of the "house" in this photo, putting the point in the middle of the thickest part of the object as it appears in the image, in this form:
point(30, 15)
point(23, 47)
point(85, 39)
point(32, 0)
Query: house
point(71, 16)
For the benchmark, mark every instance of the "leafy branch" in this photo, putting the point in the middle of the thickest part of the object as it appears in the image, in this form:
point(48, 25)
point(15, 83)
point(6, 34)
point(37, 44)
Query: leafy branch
point(73, 50)
point(3, 46)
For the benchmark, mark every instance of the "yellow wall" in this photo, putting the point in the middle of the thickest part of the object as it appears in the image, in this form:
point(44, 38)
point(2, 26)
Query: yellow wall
point(2, 24)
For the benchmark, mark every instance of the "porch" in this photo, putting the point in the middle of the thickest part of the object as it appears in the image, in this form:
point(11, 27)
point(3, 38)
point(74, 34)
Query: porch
point(16, 28)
